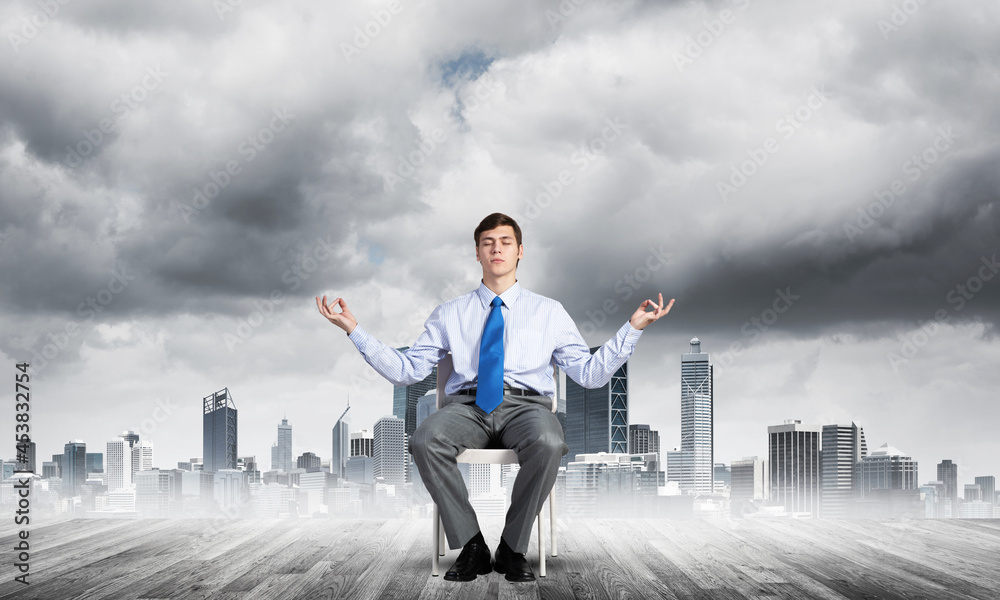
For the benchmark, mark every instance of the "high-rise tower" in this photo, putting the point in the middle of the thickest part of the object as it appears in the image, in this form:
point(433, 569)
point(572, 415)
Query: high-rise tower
point(389, 451)
point(843, 447)
point(405, 398)
point(697, 421)
point(281, 452)
point(74, 467)
point(597, 419)
point(219, 431)
point(795, 466)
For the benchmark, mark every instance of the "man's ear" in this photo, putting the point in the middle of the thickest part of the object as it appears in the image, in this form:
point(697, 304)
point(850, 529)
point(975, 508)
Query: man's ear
point(477, 252)
point(520, 251)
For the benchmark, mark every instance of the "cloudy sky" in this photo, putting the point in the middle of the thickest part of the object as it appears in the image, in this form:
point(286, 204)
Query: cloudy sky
point(816, 185)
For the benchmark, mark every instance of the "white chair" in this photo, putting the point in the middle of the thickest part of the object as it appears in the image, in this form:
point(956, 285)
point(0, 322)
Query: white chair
point(486, 456)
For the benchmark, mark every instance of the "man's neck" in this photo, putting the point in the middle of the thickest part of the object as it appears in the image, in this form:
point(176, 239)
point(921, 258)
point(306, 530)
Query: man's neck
point(501, 284)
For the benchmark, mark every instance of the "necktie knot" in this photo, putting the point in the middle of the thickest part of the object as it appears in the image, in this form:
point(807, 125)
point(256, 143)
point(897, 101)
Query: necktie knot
point(496, 302)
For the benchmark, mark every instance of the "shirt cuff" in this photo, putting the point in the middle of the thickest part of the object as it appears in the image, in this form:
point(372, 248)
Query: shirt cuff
point(631, 333)
point(360, 337)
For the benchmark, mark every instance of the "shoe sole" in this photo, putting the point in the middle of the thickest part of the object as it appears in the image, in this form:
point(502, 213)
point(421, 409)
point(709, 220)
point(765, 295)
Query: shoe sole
point(514, 578)
point(482, 571)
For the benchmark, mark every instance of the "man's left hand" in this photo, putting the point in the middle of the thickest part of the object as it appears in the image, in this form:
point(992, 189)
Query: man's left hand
point(641, 317)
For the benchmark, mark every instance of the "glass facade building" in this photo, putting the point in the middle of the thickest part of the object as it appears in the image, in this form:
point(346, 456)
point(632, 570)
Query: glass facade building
point(597, 419)
point(405, 398)
point(74, 467)
point(219, 431)
point(281, 452)
point(697, 421)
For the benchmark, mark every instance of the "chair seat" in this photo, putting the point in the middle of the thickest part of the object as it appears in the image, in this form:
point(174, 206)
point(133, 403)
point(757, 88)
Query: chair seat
point(495, 456)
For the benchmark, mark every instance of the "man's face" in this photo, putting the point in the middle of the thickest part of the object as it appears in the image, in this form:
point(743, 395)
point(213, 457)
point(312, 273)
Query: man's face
point(498, 251)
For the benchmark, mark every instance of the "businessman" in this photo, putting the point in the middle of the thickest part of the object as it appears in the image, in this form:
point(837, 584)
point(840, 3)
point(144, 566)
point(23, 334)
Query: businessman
point(504, 342)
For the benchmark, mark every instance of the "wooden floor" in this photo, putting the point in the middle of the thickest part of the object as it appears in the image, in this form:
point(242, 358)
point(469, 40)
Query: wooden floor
point(599, 558)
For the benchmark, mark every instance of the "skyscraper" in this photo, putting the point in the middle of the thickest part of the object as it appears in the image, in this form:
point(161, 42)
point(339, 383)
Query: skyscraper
point(795, 466)
point(947, 473)
point(389, 451)
point(405, 397)
point(281, 452)
point(119, 465)
point(341, 444)
point(74, 467)
point(843, 446)
point(219, 431)
point(697, 421)
point(30, 456)
point(597, 419)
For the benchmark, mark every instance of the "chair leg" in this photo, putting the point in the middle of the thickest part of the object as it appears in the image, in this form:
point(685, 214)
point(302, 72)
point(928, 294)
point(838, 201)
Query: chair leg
point(435, 540)
point(441, 537)
point(552, 522)
point(541, 547)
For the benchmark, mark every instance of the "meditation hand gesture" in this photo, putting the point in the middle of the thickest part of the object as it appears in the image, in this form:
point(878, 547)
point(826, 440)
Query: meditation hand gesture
point(641, 317)
point(343, 319)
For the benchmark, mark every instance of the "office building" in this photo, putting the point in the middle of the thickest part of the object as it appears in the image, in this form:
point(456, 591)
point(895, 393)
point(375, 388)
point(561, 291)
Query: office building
point(843, 447)
point(308, 461)
point(794, 454)
point(947, 473)
point(426, 405)
point(281, 451)
point(887, 468)
point(988, 485)
point(597, 419)
point(360, 469)
point(154, 491)
point(142, 457)
point(405, 397)
point(219, 431)
point(643, 440)
point(340, 445)
point(119, 465)
point(749, 485)
point(74, 467)
point(697, 421)
point(361, 443)
point(722, 476)
point(95, 462)
point(389, 451)
point(28, 452)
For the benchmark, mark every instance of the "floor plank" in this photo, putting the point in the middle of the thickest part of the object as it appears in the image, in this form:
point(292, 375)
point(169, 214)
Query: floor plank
point(601, 559)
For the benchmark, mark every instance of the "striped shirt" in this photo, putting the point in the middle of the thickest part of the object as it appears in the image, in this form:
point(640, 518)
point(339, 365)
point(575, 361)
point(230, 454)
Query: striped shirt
point(538, 333)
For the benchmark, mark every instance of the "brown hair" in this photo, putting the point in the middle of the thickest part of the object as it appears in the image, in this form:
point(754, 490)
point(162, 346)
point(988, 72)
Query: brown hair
point(497, 220)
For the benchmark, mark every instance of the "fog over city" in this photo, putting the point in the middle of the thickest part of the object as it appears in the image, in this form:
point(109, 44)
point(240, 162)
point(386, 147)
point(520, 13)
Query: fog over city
point(815, 184)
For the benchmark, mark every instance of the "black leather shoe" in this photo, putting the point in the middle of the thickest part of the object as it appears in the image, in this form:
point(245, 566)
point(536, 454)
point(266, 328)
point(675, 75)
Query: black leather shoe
point(512, 564)
point(473, 560)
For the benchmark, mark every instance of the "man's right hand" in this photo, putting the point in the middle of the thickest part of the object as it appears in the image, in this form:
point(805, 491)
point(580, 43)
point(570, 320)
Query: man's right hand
point(343, 319)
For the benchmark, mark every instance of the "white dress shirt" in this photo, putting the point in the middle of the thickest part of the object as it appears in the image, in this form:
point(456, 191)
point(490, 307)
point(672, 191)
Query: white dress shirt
point(538, 333)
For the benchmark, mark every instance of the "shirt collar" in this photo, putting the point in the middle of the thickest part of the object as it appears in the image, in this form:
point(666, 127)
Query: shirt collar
point(509, 296)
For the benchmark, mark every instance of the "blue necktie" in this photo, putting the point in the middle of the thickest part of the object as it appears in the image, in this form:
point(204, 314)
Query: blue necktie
point(489, 388)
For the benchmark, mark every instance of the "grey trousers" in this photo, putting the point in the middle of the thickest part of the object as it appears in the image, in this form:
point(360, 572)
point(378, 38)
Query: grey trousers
point(525, 424)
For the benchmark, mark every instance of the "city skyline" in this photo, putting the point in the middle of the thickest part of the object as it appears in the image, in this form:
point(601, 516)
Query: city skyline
point(285, 428)
point(828, 228)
